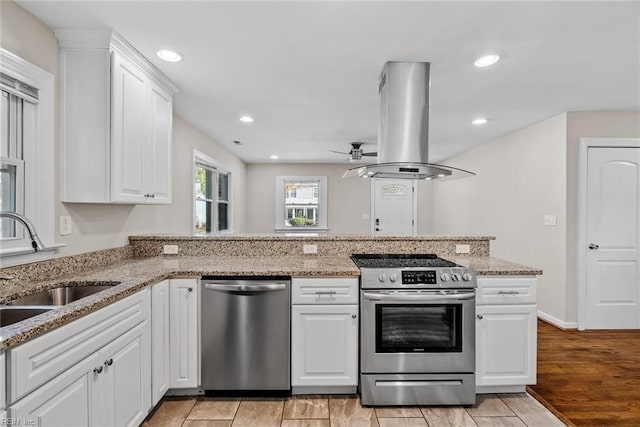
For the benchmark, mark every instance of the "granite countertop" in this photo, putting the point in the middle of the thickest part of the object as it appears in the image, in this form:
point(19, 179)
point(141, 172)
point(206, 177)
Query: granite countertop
point(137, 273)
point(306, 236)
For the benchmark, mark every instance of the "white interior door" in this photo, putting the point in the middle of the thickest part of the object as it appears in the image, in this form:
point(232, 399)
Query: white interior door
point(613, 237)
point(393, 207)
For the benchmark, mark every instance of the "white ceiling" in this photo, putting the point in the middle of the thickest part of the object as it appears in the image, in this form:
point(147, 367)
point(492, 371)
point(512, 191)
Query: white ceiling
point(307, 71)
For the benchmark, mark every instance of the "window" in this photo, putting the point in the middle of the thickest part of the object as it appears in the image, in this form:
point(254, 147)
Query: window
point(212, 196)
point(301, 203)
point(11, 164)
point(26, 158)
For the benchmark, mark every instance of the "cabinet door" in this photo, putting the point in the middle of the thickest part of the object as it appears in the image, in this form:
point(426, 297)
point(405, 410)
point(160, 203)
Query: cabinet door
point(506, 345)
point(158, 153)
point(159, 341)
point(183, 337)
point(71, 399)
point(129, 98)
point(126, 379)
point(3, 383)
point(324, 345)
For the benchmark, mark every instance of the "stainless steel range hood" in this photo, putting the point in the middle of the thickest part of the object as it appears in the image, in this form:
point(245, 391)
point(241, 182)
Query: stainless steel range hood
point(403, 133)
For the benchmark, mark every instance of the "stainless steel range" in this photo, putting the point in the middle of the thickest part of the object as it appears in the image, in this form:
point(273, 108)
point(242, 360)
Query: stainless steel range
point(417, 330)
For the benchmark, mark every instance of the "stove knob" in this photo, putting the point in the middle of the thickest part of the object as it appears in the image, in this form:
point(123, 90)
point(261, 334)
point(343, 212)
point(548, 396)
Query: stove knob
point(466, 277)
point(445, 277)
point(393, 277)
point(382, 277)
point(455, 277)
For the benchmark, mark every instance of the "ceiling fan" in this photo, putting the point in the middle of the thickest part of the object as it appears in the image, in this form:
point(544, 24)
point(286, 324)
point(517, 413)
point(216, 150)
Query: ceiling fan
point(356, 152)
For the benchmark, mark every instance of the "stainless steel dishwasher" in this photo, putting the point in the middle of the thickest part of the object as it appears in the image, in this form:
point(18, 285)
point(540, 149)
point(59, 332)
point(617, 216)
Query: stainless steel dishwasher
point(245, 334)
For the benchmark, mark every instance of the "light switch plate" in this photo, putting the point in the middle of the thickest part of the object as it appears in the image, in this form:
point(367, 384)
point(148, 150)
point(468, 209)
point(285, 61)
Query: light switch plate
point(463, 249)
point(310, 249)
point(550, 220)
point(65, 225)
point(171, 249)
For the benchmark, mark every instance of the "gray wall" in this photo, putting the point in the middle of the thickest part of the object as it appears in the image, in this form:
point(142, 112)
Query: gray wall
point(579, 125)
point(520, 178)
point(106, 226)
point(348, 198)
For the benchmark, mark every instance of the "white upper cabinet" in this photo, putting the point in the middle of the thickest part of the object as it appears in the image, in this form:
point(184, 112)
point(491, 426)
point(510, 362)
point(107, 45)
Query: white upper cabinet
point(116, 122)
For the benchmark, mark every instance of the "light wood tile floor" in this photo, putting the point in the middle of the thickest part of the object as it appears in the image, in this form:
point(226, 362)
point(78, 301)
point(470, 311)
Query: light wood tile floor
point(492, 410)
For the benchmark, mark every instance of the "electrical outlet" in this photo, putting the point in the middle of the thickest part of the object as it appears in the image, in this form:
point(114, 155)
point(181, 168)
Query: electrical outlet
point(463, 249)
point(65, 225)
point(550, 220)
point(171, 249)
point(310, 249)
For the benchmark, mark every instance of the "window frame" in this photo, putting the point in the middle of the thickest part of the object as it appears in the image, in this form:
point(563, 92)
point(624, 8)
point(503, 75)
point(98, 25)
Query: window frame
point(281, 209)
point(202, 160)
point(38, 155)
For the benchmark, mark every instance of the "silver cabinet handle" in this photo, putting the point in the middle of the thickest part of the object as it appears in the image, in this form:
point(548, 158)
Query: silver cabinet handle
point(245, 288)
point(508, 292)
point(480, 316)
point(380, 296)
point(108, 362)
point(593, 246)
point(326, 292)
point(97, 370)
point(353, 316)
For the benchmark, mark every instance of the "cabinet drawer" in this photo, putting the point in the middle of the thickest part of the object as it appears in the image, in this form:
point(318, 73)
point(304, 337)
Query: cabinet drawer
point(41, 359)
point(506, 290)
point(324, 291)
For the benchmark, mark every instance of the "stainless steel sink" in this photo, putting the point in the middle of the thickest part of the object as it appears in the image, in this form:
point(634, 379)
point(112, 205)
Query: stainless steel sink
point(63, 294)
point(11, 315)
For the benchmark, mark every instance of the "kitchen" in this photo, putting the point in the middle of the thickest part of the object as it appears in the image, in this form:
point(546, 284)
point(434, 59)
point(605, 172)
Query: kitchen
point(511, 210)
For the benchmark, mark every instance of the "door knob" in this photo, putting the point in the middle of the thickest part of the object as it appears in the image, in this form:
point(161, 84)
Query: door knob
point(593, 246)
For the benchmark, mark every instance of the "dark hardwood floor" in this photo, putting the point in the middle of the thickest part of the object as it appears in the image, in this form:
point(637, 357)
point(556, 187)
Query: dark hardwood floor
point(590, 377)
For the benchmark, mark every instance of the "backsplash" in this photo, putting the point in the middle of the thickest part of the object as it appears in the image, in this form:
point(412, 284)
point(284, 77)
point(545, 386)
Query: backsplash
point(64, 265)
point(146, 246)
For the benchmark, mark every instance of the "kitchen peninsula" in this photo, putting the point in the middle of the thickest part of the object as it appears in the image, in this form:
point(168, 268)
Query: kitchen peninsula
point(142, 271)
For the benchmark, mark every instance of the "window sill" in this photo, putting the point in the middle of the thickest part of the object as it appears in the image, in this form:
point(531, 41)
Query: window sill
point(26, 255)
point(300, 231)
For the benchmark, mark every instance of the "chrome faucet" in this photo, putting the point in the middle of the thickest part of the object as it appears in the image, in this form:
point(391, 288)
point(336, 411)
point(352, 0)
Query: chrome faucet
point(36, 243)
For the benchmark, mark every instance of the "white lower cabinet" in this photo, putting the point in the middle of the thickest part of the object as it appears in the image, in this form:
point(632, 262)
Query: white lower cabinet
point(325, 345)
point(3, 388)
point(183, 334)
point(110, 387)
point(93, 371)
point(160, 374)
point(506, 334)
point(324, 334)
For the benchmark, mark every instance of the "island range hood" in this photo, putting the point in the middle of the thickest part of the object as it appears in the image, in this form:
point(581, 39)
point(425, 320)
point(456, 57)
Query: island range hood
point(403, 132)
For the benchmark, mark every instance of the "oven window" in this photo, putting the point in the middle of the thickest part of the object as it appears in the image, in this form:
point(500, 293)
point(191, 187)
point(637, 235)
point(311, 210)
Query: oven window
point(418, 328)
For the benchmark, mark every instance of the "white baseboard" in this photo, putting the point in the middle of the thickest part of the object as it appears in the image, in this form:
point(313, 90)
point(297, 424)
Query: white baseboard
point(557, 322)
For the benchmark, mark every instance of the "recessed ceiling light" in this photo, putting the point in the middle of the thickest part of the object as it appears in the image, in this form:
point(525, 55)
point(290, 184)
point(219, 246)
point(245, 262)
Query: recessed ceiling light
point(246, 119)
point(169, 55)
point(479, 121)
point(274, 157)
point(487, 60)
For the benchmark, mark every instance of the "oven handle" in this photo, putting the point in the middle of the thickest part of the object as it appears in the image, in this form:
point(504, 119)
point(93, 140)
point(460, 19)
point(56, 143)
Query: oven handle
point(379, 296)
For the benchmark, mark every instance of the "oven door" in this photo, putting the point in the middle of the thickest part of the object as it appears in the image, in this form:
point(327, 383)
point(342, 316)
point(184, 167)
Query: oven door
point(411, 331)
